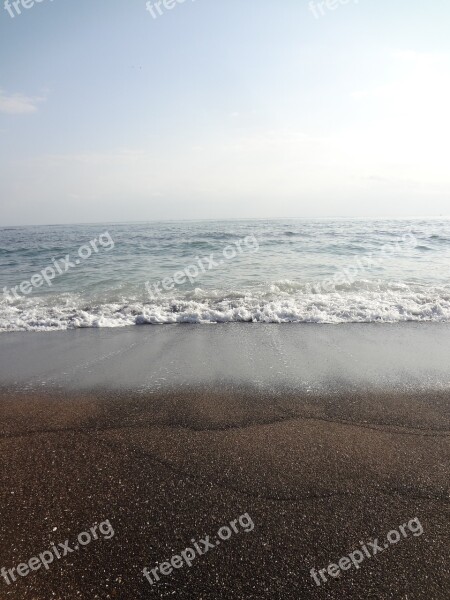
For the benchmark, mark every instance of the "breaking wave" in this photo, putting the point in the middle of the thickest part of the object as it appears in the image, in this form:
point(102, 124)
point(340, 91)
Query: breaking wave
point(280, 302)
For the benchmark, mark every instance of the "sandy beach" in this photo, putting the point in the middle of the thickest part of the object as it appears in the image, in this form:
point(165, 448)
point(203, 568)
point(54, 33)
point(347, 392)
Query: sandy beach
point(318, 466)
point(224, 300)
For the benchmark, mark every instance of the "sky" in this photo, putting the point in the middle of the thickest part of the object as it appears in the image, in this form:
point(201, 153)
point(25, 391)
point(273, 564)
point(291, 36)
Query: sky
point(223, 109)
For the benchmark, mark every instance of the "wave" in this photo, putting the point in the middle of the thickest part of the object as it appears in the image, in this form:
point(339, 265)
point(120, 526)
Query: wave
point(280, 302)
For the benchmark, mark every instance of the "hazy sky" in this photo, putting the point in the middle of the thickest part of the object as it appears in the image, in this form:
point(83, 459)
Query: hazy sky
point(221, 109)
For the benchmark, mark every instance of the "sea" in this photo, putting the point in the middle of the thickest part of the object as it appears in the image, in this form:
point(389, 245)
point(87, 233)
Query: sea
point(247, 271)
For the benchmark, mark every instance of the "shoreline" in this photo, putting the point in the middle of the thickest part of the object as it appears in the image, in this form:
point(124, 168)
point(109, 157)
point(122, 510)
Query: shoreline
point(314, 358)
point(171, 436)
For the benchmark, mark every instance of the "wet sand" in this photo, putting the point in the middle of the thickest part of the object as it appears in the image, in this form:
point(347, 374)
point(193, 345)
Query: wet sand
point(321, 455)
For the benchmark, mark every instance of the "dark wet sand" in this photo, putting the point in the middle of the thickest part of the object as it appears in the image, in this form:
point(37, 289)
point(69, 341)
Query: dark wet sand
point(317, 471)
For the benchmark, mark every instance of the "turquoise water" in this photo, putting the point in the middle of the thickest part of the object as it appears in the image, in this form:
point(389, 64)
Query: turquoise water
point(324, 271)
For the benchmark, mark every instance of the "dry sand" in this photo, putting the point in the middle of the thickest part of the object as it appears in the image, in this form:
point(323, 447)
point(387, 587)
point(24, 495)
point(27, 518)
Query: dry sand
point(166, 469)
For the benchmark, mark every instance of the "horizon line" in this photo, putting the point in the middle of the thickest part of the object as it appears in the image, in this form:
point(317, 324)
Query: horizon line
point(341, 217)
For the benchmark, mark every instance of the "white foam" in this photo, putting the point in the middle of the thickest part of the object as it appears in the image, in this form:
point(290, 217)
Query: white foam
point(279, 302)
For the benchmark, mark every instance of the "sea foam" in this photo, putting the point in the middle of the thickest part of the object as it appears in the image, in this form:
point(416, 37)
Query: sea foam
point(279, 302)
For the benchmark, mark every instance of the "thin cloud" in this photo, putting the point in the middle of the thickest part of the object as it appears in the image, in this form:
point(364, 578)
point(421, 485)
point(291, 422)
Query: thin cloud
point(18, 104)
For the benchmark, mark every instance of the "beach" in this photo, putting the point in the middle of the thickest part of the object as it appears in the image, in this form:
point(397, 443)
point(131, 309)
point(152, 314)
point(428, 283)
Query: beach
point(224, 301)
point(171, 433)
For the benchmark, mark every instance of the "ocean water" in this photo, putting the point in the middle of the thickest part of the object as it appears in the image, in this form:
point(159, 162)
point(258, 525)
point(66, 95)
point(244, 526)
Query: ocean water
point(283, 271)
